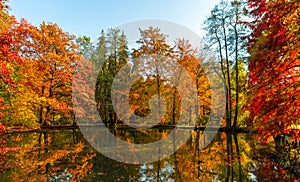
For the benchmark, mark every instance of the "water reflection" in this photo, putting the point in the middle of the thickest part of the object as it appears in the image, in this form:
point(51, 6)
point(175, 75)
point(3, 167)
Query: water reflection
point(65, 155)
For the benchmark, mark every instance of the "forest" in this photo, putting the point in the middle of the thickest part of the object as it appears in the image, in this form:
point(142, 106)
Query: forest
point(253, 47)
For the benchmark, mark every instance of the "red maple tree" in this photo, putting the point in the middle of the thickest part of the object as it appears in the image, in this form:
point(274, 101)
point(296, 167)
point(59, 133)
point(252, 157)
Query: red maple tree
point(274, 67)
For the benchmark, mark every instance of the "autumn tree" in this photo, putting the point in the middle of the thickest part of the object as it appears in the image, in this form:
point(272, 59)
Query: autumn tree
point(194, 61)
point(154, 59)
point(274, 68)
point(165, 61)
point(57, 58)
point(44, 86)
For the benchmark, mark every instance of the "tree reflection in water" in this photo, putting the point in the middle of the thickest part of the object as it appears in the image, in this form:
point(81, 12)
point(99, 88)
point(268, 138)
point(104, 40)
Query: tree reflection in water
point(65, 155)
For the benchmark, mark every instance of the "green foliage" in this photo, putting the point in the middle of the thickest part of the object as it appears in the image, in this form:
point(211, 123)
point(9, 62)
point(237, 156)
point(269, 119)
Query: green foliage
point(226, 33)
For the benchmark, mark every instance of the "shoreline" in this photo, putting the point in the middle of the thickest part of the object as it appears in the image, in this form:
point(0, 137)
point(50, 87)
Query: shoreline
point(126, 127)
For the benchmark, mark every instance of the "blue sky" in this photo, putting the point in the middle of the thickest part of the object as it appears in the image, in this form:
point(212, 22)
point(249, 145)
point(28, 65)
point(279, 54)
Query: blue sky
point(90, 16)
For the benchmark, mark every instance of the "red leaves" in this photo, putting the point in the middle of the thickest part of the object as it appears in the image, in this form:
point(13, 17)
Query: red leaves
point(38, 61)
point(274, 74)
point(12, 36)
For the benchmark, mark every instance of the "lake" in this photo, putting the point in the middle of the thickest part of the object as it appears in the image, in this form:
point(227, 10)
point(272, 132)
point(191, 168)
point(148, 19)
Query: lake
point(65, 155)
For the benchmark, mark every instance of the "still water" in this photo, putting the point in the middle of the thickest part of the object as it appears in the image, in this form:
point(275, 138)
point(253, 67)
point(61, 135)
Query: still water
point(65, 155)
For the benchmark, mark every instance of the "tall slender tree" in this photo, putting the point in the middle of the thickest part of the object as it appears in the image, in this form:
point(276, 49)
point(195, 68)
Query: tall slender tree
point(225, 32)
